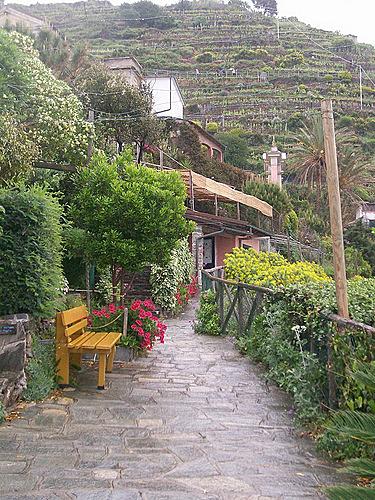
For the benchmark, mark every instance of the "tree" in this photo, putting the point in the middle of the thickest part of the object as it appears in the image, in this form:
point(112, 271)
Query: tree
point(123, 112)
point(41, 116)
point(30, 247)
point(362, 239)
point(131, 216)
point(236, 149)
point(307, 156)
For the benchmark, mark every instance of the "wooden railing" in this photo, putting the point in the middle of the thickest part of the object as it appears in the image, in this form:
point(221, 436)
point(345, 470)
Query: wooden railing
point(237, 302)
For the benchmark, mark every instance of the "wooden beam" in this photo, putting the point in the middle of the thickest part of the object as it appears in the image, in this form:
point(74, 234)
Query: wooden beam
point(51, 165)
point(335, 208)
point(216, 205)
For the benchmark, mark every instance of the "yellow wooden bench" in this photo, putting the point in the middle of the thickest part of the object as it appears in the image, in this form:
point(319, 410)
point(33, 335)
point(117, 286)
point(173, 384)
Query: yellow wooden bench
point(72, 340)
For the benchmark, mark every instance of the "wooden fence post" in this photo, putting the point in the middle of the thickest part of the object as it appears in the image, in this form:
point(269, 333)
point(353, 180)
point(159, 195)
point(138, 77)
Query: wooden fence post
point(220, 301)
point(241, 312)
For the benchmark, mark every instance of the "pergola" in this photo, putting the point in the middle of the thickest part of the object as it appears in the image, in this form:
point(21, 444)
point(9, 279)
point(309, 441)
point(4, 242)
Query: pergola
point(202, 188)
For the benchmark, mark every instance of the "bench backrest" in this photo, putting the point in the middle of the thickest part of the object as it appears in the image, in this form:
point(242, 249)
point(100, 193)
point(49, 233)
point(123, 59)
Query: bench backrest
point(74, 321)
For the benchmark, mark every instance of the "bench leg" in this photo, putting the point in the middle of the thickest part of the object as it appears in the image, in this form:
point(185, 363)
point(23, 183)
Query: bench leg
point(102, 364)
point(62, 367)
point(110, 360)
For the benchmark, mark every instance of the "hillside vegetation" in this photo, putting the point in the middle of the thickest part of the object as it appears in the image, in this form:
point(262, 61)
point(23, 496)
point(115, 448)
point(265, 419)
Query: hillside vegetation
point(238, 68)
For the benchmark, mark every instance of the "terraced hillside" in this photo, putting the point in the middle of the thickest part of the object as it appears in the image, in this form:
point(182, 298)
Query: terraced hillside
point(235, 67)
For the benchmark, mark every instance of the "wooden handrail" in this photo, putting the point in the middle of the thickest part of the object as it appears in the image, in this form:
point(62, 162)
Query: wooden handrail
point(238, 283)
point(347, 323)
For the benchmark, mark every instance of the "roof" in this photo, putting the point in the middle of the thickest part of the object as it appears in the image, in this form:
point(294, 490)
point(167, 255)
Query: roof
point(226, 223)
point(207, 134)
point(202, 188)
point(123, 63)
point(368, 207)
point(6, 9)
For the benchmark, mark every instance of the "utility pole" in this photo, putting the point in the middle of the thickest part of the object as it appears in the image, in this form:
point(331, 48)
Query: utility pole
point(335, 208)
point(360, 87)
point(90, 145)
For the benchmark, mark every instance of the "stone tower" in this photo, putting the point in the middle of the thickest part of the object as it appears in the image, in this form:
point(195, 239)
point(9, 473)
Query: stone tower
point(273, 164)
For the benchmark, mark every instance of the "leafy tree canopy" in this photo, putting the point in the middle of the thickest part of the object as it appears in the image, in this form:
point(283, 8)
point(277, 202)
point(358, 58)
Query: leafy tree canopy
point(132, 216)
point(237, 151)
point(123, 112)
point(41, 117)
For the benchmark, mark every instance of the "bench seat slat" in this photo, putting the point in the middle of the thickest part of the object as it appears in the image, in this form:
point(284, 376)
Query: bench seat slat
point(92, 341)
point(109, 341)
point(80, 340)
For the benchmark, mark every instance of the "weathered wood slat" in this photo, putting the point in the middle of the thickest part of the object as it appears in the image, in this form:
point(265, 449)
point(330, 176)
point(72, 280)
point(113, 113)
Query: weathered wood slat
point(236, 283)
point(229, 314)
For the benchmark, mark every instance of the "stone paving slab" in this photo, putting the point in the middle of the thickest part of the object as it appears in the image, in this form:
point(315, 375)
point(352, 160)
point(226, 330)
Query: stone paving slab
point(193, 420)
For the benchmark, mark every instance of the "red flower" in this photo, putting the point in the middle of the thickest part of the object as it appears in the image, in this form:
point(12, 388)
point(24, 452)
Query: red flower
point(136, 305)
point(112, 308)
point(139, 322)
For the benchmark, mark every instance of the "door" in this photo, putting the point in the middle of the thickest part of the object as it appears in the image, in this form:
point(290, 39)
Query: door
point(209, 252)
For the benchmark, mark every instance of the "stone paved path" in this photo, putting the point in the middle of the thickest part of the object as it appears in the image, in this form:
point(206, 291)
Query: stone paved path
point(194, 421)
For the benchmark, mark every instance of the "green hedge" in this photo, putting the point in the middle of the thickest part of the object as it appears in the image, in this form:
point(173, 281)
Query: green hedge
point(290, 338)
point(165, 281)
point(30, 250)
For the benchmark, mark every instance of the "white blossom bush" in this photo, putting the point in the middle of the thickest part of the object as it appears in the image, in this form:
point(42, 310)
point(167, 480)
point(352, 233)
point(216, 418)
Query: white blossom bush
point(165, 281)
point(51, 114)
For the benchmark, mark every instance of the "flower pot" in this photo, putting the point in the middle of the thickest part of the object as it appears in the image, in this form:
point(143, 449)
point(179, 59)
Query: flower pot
point(124, 354)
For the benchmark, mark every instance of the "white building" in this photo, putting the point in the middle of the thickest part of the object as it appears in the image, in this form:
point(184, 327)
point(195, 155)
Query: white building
point(166, 96)
point(366, 213)
point(10, 17)
point(128, 68)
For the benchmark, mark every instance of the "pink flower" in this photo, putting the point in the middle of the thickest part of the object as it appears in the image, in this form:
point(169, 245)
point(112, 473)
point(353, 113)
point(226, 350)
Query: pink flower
point(107, 315)
point(139, 322)
point(141, 331)
point(134, 327)
point(136, 305)
point(112, 308)
point(142, 314)
point(148, 314)
point(120, 308)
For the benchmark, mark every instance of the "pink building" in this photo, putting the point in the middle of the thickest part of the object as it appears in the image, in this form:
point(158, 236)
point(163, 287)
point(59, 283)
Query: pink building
point(215, 236)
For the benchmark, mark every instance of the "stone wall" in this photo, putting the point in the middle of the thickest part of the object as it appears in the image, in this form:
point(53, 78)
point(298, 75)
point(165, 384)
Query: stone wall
point(13, 349)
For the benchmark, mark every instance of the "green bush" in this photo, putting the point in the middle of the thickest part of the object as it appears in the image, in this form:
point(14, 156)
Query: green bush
point(205, 57)
point(165, 281)
point(40, 371)
point(208, 320)
point(290, 337)
point(270, 269)
point(30, 249)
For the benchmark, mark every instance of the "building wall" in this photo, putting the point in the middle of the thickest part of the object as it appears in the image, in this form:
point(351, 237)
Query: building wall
point(165, 95)
point(17, 19)
point(251, 242)
point(224, 244)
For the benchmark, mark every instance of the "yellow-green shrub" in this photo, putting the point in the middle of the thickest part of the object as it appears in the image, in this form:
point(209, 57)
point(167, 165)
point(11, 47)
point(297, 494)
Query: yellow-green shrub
point(270, 269)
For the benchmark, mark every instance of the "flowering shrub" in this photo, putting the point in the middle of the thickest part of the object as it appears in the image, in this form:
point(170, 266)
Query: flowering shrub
point(185, 292)
point(270, 269)
point(173, 285)
point(144, 326)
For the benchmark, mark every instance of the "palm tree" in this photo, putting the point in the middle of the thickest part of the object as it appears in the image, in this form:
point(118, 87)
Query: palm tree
point(307, 156)
point(360, 427)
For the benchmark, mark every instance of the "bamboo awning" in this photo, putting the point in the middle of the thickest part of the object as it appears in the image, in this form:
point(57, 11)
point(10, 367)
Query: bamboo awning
point(202, 188)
